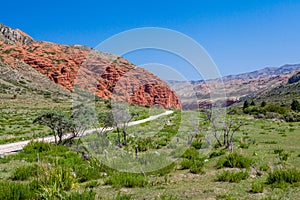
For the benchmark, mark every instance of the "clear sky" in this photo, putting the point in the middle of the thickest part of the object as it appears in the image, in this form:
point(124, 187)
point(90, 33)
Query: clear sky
point(239, 35)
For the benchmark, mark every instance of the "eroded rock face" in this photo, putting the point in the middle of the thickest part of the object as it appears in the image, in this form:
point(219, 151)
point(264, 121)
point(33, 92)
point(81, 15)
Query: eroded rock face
point(295, 78)
point(106, 75)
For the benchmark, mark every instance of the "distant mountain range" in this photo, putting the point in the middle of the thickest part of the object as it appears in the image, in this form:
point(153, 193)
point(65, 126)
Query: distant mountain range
point(234, 88)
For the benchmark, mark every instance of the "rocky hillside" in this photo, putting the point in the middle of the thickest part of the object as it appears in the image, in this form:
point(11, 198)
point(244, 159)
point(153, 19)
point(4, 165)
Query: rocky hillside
point(237, 87)
point(106, 75)
point(295, 78)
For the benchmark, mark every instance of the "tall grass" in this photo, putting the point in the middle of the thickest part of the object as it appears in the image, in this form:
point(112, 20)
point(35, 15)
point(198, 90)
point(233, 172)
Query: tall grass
point(123, 179)
point(10, 190)
point(234, 160)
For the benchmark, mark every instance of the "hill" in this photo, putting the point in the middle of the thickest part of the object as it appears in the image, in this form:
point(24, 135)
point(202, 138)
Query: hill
point(235, 88)
point(282, 94)
point(107, 76)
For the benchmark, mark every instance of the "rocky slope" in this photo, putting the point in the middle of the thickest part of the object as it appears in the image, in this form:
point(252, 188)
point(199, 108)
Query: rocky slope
point(236, 87)
point(106, 75)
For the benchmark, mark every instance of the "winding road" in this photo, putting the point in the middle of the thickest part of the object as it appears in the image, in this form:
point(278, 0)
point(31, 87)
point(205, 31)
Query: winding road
point(18, 146)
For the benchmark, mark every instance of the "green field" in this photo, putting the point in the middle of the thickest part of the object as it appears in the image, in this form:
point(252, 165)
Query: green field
point(264, 162)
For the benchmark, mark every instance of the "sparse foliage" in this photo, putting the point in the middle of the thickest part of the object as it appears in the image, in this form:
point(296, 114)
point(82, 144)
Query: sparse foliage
point(295, 106)
point(56, 121)
point(223, 132)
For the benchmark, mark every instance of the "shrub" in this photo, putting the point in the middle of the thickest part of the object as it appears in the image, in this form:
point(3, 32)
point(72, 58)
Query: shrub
point(24, 172)
point(264, 167)
point(280, 177)
point(234, 160)
point(197, 144)
point(123, 179)
point(15, 191)
point(217, 153)
point(257, 187)
point(236, 177)
point(197, 166)
point(35, 147)
point(190, 153)
point(57, 177)
point(186, 164)
point(283, 156)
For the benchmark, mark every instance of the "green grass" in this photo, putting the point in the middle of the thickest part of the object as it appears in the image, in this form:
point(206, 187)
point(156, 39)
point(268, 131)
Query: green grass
point(182, 177)
point(234, 160)
point(235, 177)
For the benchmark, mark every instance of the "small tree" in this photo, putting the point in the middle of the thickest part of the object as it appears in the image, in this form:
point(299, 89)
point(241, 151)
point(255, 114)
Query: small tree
point(106, 120)
point(122, 118)
point(295, 106)
point(246, 104)
point(252, 103)
point(83, 118)
point(56, 121)
point(223, 132)
point(263, 104)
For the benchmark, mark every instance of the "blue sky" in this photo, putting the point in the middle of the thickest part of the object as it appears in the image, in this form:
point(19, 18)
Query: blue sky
point(240, 36)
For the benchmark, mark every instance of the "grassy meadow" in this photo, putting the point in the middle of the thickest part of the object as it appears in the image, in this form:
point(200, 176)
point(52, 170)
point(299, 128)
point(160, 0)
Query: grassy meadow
point(168, 158)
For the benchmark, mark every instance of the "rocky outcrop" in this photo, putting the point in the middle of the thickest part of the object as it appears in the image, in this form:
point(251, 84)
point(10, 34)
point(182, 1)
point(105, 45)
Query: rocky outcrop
point(106, 75)
point(294, 79)
point(14, 36)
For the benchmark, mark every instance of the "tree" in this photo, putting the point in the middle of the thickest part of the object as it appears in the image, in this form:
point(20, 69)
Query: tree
point(82, 118)
point(263, 104)
point(122, 117)
point(106, 120)
point(252, 103)
point(56, 121)
point(295, 106)
point(246, 104)
point(223, 132)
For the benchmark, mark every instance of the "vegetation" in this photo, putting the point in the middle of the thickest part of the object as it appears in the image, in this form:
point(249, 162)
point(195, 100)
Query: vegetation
point(235, 177)
point(234, 160)
point(266, 150)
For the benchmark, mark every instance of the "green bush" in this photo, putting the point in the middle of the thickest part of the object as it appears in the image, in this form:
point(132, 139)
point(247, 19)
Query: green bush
point(281, 177)
point(217, 153)
point(35, 147)
point(194, 165)
point(197, 143)
point(190, 153)
point(236, 177)
point(57, 177)
point(264, 167)
point(186, 164)
point(283, 156)
point(197, 166)
point(15, 190)
point(234, 160)
point(24, 172)
point(123, 179)
point(84, 170)
point(257, 187)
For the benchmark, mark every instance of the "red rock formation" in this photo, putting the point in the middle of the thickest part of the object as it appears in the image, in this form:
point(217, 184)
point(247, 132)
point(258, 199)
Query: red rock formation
point(106, 75)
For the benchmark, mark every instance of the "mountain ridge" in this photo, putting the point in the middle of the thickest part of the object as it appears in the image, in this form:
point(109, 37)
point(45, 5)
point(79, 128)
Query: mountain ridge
point(107, 76)
point(235, 88)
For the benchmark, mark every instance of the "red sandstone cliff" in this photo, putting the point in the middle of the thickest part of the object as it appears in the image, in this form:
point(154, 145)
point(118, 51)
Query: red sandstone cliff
point(106, 75)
